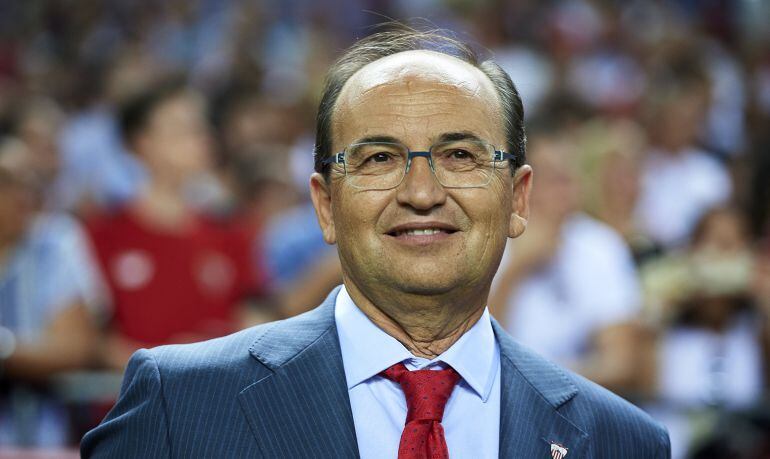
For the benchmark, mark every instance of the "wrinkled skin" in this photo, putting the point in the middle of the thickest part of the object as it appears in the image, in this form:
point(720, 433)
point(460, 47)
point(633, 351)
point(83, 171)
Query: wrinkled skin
point(431, 288)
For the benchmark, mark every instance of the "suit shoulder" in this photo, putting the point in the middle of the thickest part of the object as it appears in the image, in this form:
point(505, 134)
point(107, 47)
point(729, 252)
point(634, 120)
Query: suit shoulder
point(267, 343)
point(613, 424)
point(218, 354)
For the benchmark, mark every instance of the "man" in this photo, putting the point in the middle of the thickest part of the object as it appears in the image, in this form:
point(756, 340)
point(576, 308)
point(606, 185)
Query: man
point(403, 360)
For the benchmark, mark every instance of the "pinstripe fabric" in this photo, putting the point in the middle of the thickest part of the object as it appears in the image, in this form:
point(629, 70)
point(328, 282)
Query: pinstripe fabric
point(544, 404)
point(278, 390)
point(308, 398)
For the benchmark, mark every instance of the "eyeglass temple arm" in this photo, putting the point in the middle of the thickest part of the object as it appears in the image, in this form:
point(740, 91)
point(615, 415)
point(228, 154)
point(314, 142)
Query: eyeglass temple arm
point(339, 158)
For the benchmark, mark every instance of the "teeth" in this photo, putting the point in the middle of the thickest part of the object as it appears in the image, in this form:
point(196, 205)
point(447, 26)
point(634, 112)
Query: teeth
point(420, 232)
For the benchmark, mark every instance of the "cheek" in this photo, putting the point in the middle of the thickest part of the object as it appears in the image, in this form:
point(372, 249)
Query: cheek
point(355, 214)
point(489, 209)
point(187, 156)
point(359, 245)
point(500, 200)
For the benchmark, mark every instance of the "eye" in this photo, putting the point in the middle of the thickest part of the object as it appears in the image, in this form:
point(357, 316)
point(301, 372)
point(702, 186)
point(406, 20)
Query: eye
point(367, 156)
point(460, 154)
point(380, 157)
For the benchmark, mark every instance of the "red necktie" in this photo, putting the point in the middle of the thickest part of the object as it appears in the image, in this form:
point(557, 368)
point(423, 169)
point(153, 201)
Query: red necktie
point(427, 392)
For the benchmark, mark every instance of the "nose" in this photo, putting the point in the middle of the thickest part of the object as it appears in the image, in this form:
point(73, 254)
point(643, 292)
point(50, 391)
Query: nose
point(420, 188)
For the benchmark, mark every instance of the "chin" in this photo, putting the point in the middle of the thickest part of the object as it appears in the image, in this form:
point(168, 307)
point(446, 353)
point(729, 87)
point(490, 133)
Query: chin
point(426, 286)
point(426, 290)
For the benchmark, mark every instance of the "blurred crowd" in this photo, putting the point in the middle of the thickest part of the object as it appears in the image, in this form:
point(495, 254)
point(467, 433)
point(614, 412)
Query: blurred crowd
point(155, 155)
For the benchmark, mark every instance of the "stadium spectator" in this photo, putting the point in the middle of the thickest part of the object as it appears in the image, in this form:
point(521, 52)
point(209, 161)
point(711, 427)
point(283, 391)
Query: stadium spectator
point(568, 266)
point(710, 348)
point(611, 153)
point(175, 275)
point(680, 181)
point(96, 170)
point(49, 302)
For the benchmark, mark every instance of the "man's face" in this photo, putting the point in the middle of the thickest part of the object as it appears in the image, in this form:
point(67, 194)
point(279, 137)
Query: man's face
point(417, 97)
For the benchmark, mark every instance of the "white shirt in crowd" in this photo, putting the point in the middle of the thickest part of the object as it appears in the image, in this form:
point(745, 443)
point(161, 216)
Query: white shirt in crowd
point(590, 283)
point(676, 191)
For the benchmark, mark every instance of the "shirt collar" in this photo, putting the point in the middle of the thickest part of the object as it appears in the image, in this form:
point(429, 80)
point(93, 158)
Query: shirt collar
point(367, 350)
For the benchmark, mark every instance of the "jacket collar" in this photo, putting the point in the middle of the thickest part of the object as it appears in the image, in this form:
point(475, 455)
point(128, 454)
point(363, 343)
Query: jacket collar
point(301, 407)
point(281, 341)
point(532, 392)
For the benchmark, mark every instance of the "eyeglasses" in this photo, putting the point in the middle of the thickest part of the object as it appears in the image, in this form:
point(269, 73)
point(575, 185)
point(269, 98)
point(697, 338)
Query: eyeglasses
point(456, 164)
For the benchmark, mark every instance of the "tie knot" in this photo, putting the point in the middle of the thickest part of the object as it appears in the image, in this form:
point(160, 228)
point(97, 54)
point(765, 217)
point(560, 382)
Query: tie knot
point(426, 391)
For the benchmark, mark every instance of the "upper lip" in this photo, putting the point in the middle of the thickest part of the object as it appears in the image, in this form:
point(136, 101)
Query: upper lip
point(422, 225)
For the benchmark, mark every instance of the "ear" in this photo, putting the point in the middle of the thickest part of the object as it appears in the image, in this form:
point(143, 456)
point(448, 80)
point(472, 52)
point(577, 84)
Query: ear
point(522, 185)
point(320, 193)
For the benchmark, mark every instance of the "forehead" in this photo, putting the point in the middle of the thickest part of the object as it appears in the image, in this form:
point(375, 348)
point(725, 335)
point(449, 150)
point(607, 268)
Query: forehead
point(183, 104)
point(415, 96)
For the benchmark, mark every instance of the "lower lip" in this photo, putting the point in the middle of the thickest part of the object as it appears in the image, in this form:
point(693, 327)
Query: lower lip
point(421, 239)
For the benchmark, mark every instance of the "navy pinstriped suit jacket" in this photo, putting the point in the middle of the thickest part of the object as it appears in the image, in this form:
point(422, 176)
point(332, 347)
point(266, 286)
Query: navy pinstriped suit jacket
point(278, 391)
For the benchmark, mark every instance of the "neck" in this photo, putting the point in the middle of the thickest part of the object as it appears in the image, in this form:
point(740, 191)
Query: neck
point(426, 325)
point(162, 206)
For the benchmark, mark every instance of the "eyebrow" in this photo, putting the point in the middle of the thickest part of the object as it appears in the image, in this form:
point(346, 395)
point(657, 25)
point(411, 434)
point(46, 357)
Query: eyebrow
point(445, 137)
point(456, 136)
point(378, 139)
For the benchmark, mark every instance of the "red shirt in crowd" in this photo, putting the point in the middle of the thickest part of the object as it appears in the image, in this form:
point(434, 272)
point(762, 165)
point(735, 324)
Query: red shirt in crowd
point(174, 286)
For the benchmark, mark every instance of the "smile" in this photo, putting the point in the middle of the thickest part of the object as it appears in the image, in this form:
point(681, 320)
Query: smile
point(419, 232)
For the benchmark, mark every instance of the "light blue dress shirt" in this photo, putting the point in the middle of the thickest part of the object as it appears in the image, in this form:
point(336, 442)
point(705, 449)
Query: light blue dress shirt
point(472, 414)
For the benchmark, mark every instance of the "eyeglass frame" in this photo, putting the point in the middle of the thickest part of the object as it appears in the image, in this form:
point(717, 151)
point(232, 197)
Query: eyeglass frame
point(339, 158)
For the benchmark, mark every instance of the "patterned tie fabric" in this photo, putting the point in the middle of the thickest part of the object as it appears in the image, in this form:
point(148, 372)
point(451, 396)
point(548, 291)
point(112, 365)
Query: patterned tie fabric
point(427, 392)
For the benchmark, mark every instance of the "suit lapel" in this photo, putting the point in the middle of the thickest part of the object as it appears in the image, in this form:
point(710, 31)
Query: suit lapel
point(301, 407)
point(532, 391)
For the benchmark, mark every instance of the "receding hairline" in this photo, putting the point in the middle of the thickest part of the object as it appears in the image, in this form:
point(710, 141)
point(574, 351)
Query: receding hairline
point(383, 44)
point(486, 83)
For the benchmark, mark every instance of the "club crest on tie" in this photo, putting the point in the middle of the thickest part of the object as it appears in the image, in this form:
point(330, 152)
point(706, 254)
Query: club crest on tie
point(558, 451)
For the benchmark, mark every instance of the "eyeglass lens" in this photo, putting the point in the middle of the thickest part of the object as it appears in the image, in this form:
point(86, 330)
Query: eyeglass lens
point(456, 164)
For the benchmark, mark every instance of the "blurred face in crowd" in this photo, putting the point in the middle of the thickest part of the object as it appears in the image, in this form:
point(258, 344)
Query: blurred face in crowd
point(416, 97)
point(254, 122)
point(17, 192)
point(557, 193)
point(678, 121)
point(616, 180)
point(39, 128)
point(175, 145)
